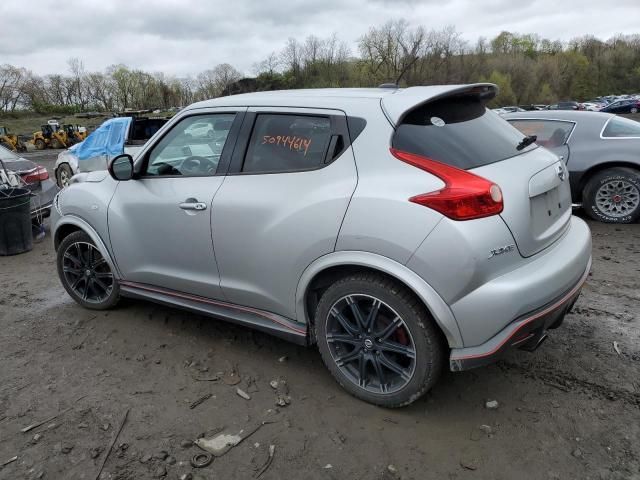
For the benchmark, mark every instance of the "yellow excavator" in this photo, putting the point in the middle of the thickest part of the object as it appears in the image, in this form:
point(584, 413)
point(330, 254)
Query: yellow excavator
point(11, 140)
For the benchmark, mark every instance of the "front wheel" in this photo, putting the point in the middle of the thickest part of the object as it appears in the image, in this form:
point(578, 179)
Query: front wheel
point(378, 340)
point(613, 195)
point(85, 274)
point(64, 175)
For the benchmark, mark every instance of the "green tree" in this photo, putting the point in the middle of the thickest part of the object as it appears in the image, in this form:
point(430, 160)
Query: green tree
point(505, 93)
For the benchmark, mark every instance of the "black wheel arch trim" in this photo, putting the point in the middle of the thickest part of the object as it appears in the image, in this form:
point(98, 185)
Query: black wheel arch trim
point(82, 225)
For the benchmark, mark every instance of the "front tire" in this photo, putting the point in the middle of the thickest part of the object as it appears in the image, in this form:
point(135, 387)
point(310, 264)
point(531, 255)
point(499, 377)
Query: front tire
point(378, 340)
point(613, 195)
point(85, 274)
point(63, 175)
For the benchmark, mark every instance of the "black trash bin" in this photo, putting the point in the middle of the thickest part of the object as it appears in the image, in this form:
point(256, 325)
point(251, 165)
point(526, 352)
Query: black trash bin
point(15, 221)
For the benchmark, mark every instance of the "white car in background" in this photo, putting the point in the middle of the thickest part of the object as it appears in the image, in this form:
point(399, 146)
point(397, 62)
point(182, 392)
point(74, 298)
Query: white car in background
point(592, 107)
point(114, 137)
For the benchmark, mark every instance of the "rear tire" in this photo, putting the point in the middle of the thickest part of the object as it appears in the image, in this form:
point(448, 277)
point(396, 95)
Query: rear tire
point(85, 274)
point(394, 361)
point(613, 195)
point(634, 110)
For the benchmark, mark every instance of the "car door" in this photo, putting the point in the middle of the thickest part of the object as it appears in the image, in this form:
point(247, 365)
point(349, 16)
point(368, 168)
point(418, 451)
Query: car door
point(552, 134)
point(282, 203)
point(160, 222)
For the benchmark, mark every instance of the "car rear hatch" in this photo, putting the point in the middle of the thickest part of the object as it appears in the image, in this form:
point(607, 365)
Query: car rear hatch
point(537, 197)
point(457, 130)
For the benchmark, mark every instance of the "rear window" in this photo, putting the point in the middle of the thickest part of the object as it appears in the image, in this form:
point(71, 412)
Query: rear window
point(460, 132)
point(619, 127)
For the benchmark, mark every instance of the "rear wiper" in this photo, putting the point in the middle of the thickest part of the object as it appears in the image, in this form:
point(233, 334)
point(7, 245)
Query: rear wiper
point(526, 141)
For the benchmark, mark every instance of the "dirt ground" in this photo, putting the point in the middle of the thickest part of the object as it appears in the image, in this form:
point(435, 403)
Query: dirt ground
point(570, 410)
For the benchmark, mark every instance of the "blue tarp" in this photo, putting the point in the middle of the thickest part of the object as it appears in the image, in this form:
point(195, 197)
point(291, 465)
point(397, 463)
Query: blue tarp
point(107, 139)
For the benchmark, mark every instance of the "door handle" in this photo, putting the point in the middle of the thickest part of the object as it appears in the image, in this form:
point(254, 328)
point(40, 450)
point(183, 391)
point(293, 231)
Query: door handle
point(193, 204)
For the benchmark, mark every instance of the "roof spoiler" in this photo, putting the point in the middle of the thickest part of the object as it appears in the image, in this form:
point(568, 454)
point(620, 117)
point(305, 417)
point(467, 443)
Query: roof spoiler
point(397, 106)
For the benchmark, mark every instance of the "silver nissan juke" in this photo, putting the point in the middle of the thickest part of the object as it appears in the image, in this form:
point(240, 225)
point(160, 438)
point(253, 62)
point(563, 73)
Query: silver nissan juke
point(396, 229)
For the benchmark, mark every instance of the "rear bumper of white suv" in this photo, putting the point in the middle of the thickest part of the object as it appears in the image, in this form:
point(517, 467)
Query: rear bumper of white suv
point(523, 304)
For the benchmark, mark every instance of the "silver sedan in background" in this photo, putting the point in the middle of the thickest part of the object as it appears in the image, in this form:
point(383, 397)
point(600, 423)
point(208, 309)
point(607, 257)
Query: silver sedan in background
point(602, 153)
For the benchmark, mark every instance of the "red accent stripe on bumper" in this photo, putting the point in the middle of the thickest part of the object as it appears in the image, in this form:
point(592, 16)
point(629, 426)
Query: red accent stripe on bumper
point(554, 306)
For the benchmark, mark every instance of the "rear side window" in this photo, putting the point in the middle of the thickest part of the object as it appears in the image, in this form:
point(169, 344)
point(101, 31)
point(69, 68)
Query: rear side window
point(619, 127)
point(458, 131)
point(287, 143)
point(549, 133)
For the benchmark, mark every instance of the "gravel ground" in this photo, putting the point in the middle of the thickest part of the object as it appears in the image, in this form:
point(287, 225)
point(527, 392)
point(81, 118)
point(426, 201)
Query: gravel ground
point(569, 410)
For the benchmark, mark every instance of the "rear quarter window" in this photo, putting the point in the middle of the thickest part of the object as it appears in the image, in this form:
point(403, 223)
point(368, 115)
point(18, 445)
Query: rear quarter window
point(458, 131)
point(619, 127)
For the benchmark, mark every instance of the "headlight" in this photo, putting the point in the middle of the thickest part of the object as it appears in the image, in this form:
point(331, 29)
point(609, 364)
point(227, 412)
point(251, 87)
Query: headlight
point(56, 202)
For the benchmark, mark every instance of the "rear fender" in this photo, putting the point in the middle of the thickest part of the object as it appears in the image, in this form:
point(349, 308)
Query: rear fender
point(439, 310)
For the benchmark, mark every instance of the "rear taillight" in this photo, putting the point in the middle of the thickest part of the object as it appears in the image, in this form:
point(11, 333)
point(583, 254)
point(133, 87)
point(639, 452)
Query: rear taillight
point(36, 175)
point(465, 196)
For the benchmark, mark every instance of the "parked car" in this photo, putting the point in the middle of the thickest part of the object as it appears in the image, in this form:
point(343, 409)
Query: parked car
point(33, 177)
point(531, 107)
point(602, 154)
point(509, 109)
point(400, 230)
point(114, 137)
point(592, 106)
point(622, 106)
point(564, 106)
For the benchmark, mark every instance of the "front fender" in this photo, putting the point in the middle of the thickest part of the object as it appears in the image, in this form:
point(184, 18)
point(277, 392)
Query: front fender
point(69, 158)
point(59, 222)
point(437, 307)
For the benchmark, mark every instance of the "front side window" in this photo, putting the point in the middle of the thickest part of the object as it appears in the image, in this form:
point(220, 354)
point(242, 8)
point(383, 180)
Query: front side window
point(619, 127)
point(183, 152)
point(549, 133)
point(287, 143)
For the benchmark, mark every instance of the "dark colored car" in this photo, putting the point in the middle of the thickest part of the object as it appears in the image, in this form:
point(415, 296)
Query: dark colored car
point(602, 153)
point(532, 107)
point(623, 106)
point(35, 177)
point(564, 106)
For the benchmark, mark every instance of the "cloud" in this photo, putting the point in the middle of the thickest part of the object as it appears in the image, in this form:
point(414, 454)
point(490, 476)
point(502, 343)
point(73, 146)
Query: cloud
point(183, 37)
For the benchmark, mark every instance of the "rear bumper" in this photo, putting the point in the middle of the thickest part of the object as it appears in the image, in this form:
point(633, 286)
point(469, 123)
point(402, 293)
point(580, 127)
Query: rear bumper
point(527, 332)
point(536, 282)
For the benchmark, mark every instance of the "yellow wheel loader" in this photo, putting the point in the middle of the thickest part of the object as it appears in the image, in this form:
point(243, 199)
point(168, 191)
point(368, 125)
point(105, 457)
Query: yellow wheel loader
point(11, 141)
point(51, 137)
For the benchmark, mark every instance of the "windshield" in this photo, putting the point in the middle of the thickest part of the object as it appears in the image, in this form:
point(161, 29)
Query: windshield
point(6, 154)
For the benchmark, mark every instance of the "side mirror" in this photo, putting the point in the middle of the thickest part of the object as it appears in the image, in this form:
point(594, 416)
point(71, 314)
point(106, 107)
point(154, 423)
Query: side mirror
point(121, 167)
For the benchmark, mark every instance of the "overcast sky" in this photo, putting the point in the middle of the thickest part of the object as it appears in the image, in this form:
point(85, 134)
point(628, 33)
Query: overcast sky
point(182, 37)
